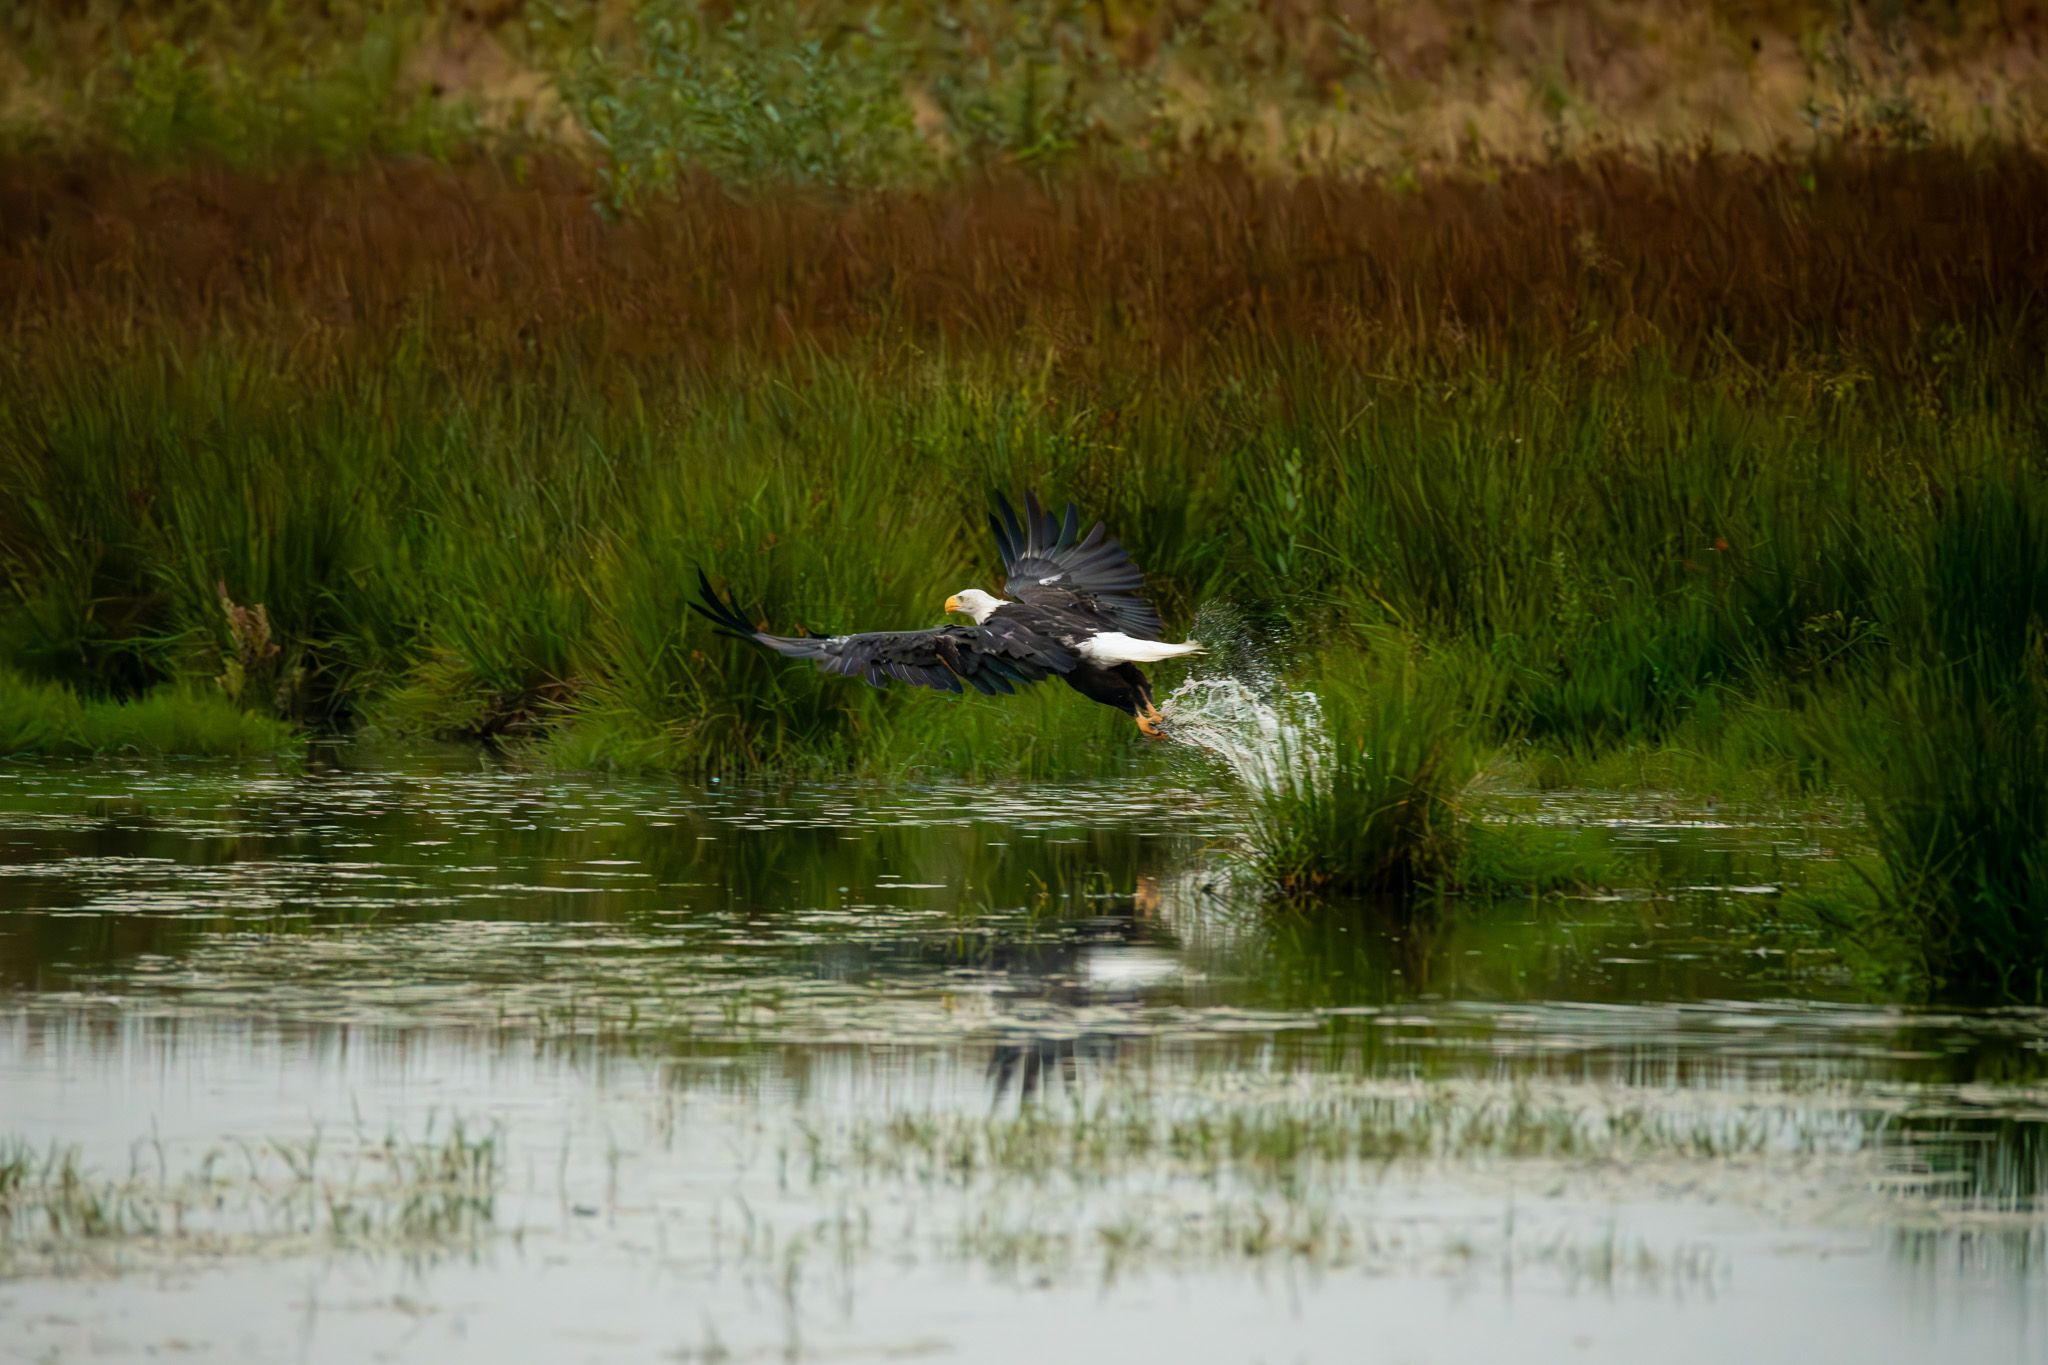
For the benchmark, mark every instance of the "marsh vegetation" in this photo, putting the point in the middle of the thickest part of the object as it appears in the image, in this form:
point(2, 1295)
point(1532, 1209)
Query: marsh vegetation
point(1587, 453)
point(1600, 445)
point(350, 1193)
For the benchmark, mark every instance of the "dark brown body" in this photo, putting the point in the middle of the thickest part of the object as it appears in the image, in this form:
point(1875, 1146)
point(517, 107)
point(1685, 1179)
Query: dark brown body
point(1120, 685)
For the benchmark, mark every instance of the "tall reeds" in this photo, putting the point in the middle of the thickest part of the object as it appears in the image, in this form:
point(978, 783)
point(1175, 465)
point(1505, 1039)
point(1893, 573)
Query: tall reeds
point(433, 549)
point(1948, 751)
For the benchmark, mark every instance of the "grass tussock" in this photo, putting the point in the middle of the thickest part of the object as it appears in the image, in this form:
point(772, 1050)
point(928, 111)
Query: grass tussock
point(1375, 793)
point(1949, 755)
point(1957, 807)
point(1367, 803)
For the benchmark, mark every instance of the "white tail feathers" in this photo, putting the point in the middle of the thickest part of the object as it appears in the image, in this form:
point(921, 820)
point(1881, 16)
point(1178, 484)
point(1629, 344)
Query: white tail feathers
point(1114, 647)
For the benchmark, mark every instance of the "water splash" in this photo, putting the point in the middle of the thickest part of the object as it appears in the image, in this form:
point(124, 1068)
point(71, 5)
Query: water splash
point(1269, 740)
point(1237, 710)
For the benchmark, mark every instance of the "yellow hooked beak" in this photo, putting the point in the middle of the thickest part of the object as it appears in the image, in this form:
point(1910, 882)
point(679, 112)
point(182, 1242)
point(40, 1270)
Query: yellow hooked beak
point(952, 604)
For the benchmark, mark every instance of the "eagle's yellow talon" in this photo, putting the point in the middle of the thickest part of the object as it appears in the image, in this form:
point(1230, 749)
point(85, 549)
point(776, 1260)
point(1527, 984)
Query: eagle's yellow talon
point(1149, 725)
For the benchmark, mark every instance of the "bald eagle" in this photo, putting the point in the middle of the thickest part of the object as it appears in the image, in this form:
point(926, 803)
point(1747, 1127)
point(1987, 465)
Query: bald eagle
point(1074, 610)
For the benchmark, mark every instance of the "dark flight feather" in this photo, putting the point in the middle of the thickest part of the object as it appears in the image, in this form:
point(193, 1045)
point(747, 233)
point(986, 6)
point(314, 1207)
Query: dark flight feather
point(991, 658)
point(1052, 565)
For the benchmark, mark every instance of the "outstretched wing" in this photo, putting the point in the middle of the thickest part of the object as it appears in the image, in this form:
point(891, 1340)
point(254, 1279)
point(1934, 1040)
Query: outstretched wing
point(990, 658)
point(1052, 564)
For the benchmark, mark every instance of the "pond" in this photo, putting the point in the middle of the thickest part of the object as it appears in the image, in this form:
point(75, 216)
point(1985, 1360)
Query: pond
point(453, 1062)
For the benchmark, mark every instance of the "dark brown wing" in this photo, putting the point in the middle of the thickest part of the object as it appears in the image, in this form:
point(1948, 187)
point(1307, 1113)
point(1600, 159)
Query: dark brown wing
point(1052, 564)
point(991, 658)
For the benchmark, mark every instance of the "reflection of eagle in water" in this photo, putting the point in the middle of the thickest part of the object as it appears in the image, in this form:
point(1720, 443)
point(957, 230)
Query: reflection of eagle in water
point(1074, 610)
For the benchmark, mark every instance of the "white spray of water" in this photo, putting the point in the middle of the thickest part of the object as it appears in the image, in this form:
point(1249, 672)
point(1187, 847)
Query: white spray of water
point(1270, 737)
point(1269, 740)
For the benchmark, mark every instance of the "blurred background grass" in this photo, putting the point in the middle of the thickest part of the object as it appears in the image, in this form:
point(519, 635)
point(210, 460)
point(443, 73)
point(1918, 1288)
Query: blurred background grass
point(846, 94)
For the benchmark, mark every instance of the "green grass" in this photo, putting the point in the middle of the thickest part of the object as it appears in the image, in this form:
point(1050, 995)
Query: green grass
point(1955, 790)
point(173, 720)
point(439, 552)
point(1501, 859)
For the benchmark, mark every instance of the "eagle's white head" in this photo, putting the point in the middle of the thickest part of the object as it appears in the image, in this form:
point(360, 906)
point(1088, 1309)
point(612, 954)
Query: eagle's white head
point(975, 603)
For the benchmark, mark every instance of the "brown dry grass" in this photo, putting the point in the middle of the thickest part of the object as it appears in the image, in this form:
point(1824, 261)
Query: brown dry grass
point(1708, 256)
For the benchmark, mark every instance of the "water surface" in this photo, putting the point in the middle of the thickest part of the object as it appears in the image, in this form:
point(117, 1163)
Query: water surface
point(973, 1072)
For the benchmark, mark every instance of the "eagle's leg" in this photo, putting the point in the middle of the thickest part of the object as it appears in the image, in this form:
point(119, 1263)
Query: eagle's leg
point(1151, 724)
point(1123, 687)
